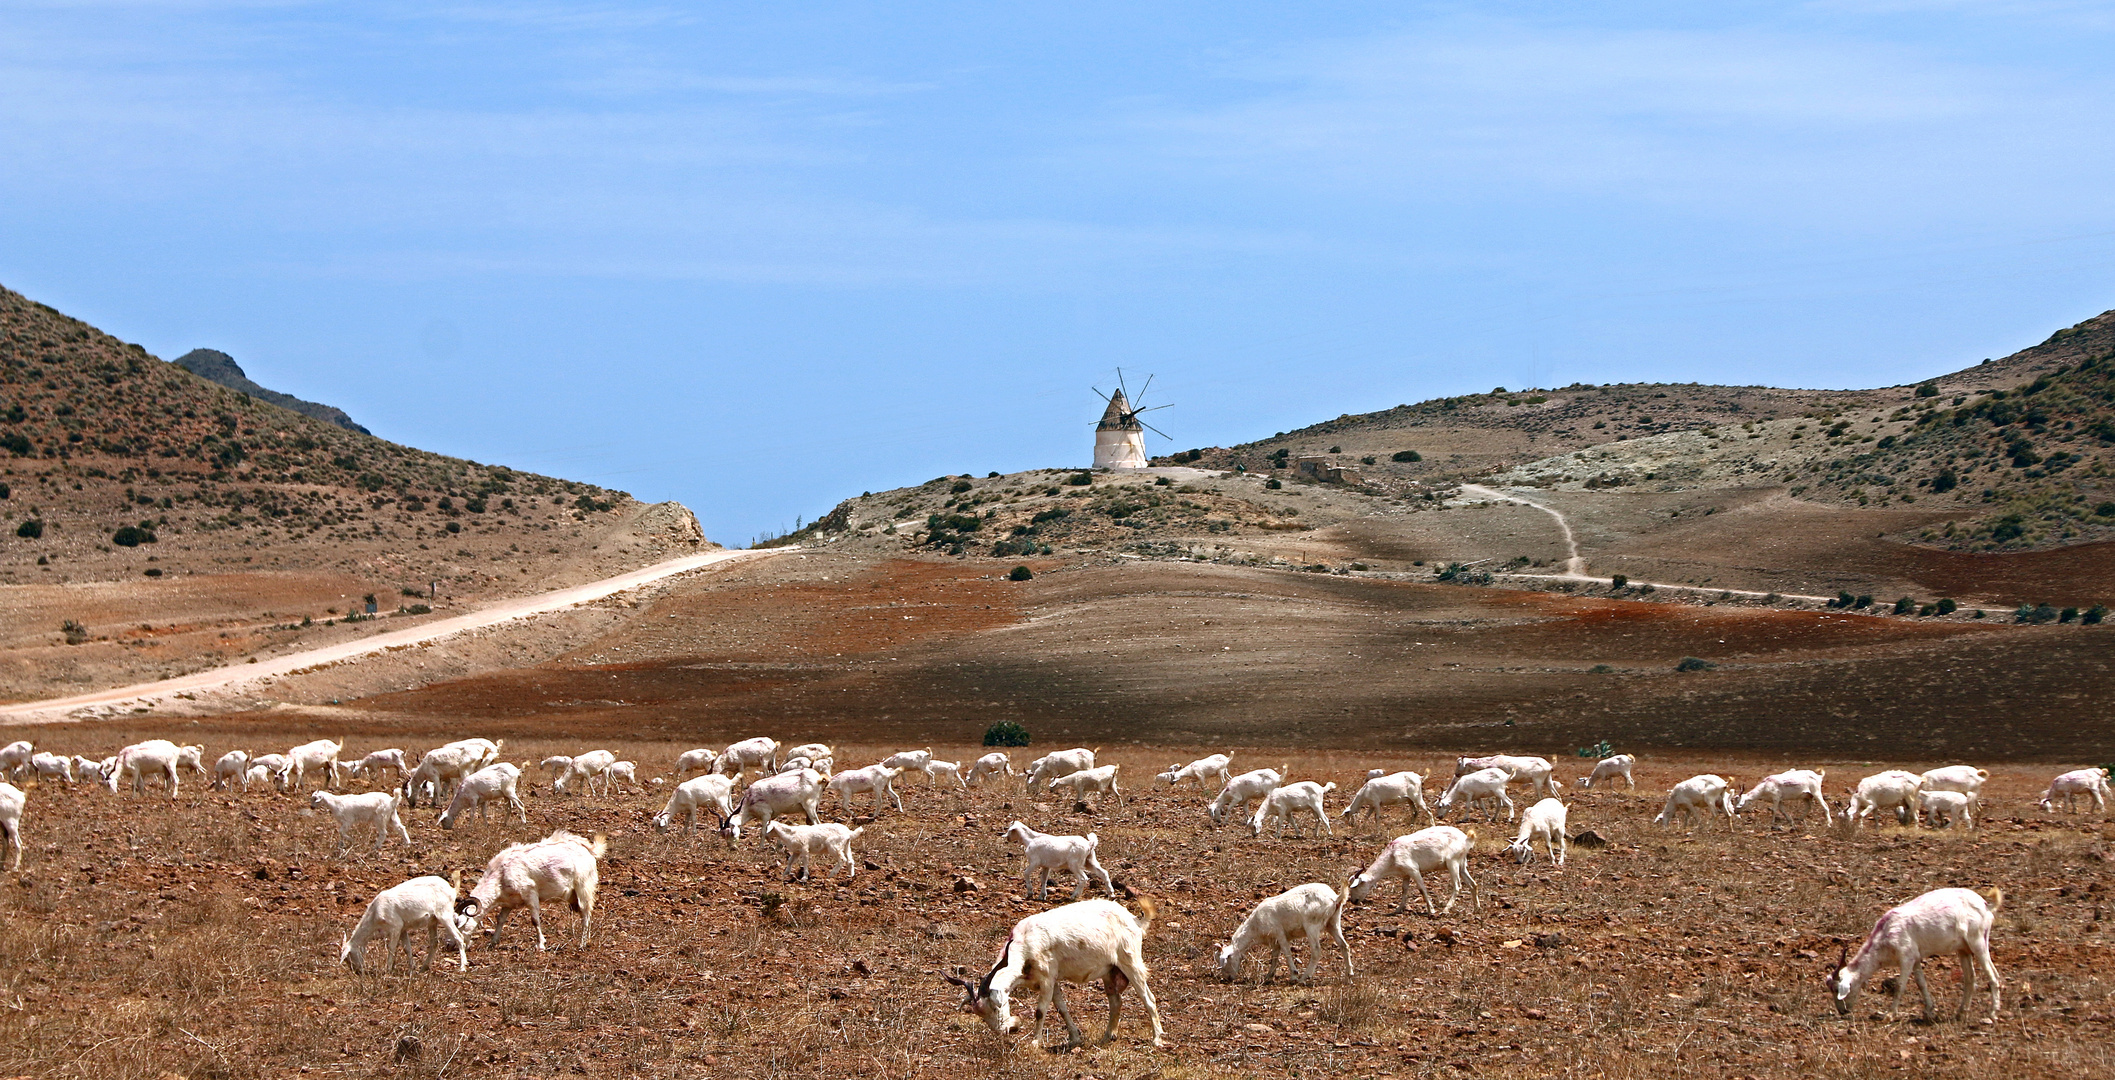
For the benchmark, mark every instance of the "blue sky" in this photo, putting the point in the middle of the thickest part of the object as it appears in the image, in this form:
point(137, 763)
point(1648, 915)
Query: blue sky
point(762, 257)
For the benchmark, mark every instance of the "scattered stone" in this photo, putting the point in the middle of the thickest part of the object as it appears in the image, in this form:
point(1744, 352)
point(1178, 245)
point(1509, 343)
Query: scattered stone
point(966, 884)
point(1590, 838)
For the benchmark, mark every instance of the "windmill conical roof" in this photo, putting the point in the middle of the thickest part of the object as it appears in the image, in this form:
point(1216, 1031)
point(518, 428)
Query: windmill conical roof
point(1118, 414)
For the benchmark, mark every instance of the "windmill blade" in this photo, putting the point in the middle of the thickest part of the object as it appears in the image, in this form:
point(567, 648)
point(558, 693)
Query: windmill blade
point(1155, 430)
point(1142, 390)
point(1098, 392)
point(1120, 383)
point(1155, 408)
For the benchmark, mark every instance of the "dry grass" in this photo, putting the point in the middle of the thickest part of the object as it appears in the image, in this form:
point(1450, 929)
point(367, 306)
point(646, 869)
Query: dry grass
point(200, 940)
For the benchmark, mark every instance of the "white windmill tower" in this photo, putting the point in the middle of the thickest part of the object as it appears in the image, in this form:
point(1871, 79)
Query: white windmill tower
point(1120, 436)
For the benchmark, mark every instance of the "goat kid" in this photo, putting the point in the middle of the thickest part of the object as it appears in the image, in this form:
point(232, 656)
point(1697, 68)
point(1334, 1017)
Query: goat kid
point(1283, 803)
point(806, 841)
point(376, 808)
point(1544, 821)
point(1306, 909)
point(1048, 851)
point(423, 903)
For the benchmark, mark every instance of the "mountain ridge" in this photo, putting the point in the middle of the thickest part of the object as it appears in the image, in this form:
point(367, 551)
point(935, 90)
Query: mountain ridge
point(218, 367)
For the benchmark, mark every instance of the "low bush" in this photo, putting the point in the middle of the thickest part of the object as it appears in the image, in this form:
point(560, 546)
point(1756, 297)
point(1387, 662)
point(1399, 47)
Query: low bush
point(74, 631)
point(1694, 663)
point(1080, 479)
point(1619, 581)
point(1006, 733)
point(30, 529)
point(2092, 616)
point(1905, 606)
point(1020, 573)
point(961, 486)
point(133, 536)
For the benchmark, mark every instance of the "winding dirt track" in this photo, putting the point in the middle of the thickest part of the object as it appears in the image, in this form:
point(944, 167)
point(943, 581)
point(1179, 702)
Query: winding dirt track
point(103, 703)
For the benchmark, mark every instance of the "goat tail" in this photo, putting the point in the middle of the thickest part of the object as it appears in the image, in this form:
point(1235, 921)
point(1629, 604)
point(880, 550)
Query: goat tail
point(1093, 842)
point(599, 844)
point(1146, 910)
point(1997, 900)
point(1471, 834)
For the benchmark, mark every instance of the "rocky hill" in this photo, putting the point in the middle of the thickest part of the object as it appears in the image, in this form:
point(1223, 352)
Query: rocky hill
point(153, 522)
point(215, 366)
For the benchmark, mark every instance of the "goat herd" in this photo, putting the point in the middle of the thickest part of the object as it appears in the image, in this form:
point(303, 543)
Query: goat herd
point(1076, 943)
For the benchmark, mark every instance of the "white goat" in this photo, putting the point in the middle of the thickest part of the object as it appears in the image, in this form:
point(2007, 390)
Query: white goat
point(1215, 765)
point(806, 841)
point(230, 769)
point(1698, 797)
point(813, 751)
point(1058, 763)
point(1895, 789)
point(587, 768)
point(624, 773)
point(445, 766)
point(92, 770)
point(275, 767)
point(1096, 781)
point(759, 753)
point(798, 762)
point(1077, 943)
point(560, 866)
point(495, 783)
point(775, 796)
point(1409, 858)
point(1609, 768)
point(1544, 821)
point(1283, 803)
point(423, 903)
point(1942, 922)
point(992, 764)
point(1243, 790)
point(910, 761)
point(712, 789)
point(1965, 779)
point(155, 757)
point(1941, 809)
point(1537, 772)
point(1389, 789)
point(12, 802)
point(51, 765)
point(695, 761)
point(318, 756)
point(1796, 786)
point(1307, 909)
point(1049, 851)
point(259, 774)
point(879, 779)
point(943, 771)
point(14, 758)
point(1470, 788)
point(372, 766)
point(377, 808)
point(2092, 783)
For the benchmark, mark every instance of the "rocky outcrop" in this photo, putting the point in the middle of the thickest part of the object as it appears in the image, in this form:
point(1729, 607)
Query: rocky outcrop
point(218, 367)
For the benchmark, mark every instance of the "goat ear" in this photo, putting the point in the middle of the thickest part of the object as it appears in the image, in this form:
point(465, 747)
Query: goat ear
point(455, 879)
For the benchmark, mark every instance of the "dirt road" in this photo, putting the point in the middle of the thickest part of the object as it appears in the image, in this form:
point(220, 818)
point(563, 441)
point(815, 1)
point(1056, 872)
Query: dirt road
point(102, 703)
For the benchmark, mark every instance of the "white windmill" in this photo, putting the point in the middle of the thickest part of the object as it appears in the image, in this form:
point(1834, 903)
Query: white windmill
point(1120, 436)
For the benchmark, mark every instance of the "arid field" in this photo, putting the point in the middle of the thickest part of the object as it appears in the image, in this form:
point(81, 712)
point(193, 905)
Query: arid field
point(199, 938)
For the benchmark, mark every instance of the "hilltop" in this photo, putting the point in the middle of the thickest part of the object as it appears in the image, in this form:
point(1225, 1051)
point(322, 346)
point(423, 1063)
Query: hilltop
point(215, 366)
point(156, 522)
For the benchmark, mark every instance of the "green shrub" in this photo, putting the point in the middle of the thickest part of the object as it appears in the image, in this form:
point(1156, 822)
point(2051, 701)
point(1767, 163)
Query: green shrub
point(1905, 606)
point(1694, 663)
point(1406, 455)
point(2093, 615)
point(418, 609)
point(454, 526)
point(1947, 480)
point(30, 529)
point(74, 631)
point(1862, 602)
point(1600, 669)
point(1020, 573)
point(961, 486)
point(1927, 389)
point(1006, 733)
point(1273, 484)
point(1945, 606)
point(1336, 449)
point(2067, 615)
point(1055, 513)
point(2034, 614)
point(1619, 581)
point(133, 536)
point(15, 443)
point(1080, 479)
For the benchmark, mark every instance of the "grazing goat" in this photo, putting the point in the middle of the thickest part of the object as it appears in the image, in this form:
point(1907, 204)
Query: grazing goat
point(377, 808)
point(12, 801)
point(155, 757)
point(1389, 789)
point(2092, 783)
point(230, 769)
point(496, 783)
point(1096, 781)
point(1698, 797)
point(275, 766)
point(423, 903)
point(1308, 909)
point(1058, 763)
point(1544, 821)
point(1895, 789)
point(1049, 851)
point(445, 766)
point(1409, 858)
point(828, 838)
point(1469, 788)
point(52, 765)
point(904, 761)
point(992, 764)
point(1215, 765)
point(14, 758)
point(695, 761)
point(879, 779)
point(1942, 922)
point(1609, 768)
point(759, 753)
point(95, 771)
point(798, 762)
point(712, 789)
point(1797, 786)
point(1280, 806)
point(560, 866)
point(1243, 790)
point(372, 766)
point(1965, 779)
point(1941, 809)
point(625, 773)
point(318, 756)
point(259, 774)
point(587, 768)
point(1077, 943)
point(950, 770)
point(1537, 772)
point(813, 751)
point(774, 796)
